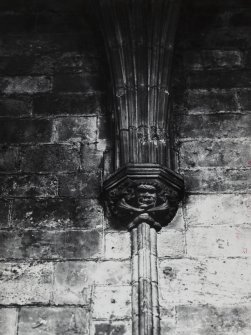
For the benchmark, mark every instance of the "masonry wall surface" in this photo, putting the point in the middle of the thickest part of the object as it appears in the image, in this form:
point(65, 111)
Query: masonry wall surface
point(63, 268)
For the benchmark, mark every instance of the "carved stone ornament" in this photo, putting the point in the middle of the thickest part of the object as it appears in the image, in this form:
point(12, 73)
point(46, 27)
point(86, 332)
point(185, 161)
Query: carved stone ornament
point(143, 193)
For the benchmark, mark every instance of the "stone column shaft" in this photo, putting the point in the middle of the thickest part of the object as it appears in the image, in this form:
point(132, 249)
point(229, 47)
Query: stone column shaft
point(145, 300)
point(143, 193)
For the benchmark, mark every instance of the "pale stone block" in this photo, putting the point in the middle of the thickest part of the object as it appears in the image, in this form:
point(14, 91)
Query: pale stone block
point(219, 241)
point(117, 245)
point(216, 209)
point(8, 321)
point(111, 302)
point(25, 283)
point(74, 280)
point(171, 243)
point(205, 281)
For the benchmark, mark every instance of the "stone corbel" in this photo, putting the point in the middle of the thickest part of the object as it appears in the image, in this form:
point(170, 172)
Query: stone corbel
point(144, 191)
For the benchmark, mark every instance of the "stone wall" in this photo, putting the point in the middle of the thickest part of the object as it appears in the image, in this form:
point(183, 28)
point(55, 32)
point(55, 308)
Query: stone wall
point(205, 265)
point(63, 269)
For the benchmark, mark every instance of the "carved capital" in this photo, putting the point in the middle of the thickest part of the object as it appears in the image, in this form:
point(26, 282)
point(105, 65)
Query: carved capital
point(143, 193)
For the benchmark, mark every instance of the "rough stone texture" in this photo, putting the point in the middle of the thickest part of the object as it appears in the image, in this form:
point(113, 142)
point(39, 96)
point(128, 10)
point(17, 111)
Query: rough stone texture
point(53, 213)
point(211, 320)
point(75, 129)
point(214, 180)
point(64, 269)
point(50, 158)
point(208, 153)
point(15, 106)
point(43, 244)
point(205, 290)
point(75, 281)
point(8, 321)
point(4, 214)
point(32, 185)
point(109, 327)
point(220, 282)
point(25, 131)
point(21, 85)
point(26, 283)
point(218, 209)
point(171, 243)
point(117, 302)
point(65, 321)
point(205, 101)
point(82, 184)
point(215, 126)
point(66, 104)
point(117, 245)
point(219, 241)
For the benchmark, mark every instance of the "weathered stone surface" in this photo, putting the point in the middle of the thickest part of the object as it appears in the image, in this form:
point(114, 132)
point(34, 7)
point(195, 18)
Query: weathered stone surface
point(116, 299)
point(74, 281)
point(208, 153)
point(219, 282)
point(53, 321)
point(213, 59)
point(91, 158)
point(203, 101)
point(218, 209)
point(83, 184)
point(25, 131)
point(209, 320)
point(8, 321)
point(117, 245)
point(41, 244)
point(29, 185)
point(26, 283)
point(205, 296)
point(167, 320)
point(4, 213)
point(73, 83)
point(75, 129)
point(218, 241)
point(50, 158)
point(215, 126)
point(26, 65)
point(217, 180)
point(219, 79)
point(81, 244)
point(109, 327)
point(43, 44)
point(171, 243)
point(55, 213)
point(221, 38)
point(9, 159)
point(177, 222)
point(244, 99)
point(66, 104)
point(15, 106)
point(31, 85)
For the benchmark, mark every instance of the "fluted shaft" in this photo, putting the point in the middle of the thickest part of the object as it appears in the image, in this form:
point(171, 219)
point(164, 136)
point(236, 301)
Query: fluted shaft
point(145, 300)
point(139, 38)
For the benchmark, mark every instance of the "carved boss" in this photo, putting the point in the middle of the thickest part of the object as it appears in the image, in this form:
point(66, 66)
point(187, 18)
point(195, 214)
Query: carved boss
point(146, 193)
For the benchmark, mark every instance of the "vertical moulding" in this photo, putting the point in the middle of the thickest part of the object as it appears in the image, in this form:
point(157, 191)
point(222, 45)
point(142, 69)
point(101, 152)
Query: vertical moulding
point(143, 192)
